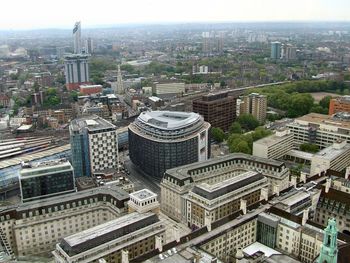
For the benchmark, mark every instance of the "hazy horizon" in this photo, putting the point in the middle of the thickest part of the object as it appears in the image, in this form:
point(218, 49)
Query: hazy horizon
point(41, 14)
point(165, 23)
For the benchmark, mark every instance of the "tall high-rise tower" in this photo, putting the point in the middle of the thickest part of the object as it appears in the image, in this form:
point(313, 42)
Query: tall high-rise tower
point(94, 145)
point(120, 87)
point(76, 65)
point(220, 41)
point(256, 105)
point(206, 47)
point(77, 38)
point(276, 50)
point(329, 248)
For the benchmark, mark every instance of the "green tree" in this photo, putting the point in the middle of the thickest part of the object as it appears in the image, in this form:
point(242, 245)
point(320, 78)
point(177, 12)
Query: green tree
point(260, 132)
point(273, 117)
point(324, 102)
point(218, 134)
point(51, 98)
point(248, 122)
point(300, 104)
point(127, 67)
point(309, 147)
point(97, 64)
point(239, 145)
point(243, 147)
point(74, 95)
point(318, 109)
point(235, 128)
point(51, 92)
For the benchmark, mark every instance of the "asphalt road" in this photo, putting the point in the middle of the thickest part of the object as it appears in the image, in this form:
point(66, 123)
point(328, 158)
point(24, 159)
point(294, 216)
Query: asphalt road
point(140, 179)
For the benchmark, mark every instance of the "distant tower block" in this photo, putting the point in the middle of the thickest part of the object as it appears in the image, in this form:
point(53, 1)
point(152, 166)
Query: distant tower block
point(77, 38)
point(143, 201)
point(120, 87)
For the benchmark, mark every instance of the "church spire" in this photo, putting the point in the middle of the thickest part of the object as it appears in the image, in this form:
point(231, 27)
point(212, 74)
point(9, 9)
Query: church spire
point(329, 248)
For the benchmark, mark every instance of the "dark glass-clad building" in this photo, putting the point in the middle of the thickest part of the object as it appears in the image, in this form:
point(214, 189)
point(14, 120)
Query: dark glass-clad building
point(46, 179)
point(160, 140)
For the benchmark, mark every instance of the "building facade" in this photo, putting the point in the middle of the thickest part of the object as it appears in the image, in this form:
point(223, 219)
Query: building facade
point(319, 129)
point(46, 179)
point(256, 105)
point(290, 52)
point(160, 140)
point(225, 245)
point(143, 201)
point(275, 146)
point(217, 109)
point(77, 38)
point(276, 49)
point(335, 204)
point(76, 71)
point(33, 228)
point(178, 182)
point(90, 89)
point(120, 240)
point(335, 157)
point(340, 104)
point(164, 90)
point(94, 145)
point(76, 64)
point(209, 203)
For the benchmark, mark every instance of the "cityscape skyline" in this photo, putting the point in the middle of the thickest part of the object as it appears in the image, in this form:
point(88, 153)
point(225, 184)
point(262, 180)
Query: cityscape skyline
point(150, 12)
point(225, 142)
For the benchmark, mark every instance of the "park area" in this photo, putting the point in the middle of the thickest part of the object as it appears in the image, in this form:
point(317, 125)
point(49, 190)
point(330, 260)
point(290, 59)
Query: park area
point(320, 95)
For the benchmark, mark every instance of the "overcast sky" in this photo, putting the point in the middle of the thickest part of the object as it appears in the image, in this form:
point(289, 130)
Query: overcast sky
point(32, 14)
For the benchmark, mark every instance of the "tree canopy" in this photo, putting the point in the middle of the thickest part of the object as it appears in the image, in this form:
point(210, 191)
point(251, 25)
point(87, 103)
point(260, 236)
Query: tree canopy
point(217, 134)
point(244, 142)
point(294, 98)
point(235, 128)
point(248, 122)
point(309, 147)
point(51, 98)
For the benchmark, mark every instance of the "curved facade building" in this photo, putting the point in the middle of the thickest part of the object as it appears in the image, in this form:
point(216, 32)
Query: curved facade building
point(160, 140)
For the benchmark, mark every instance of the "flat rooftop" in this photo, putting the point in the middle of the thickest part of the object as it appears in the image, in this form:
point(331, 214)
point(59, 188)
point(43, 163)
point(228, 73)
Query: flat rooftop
point(256, 246)
point(330, 153)
point(33, 156)
point(183, 172)
point(295, 197)
point(76, 56)
point(122, 129)
point(301, 154)
point(91, 123)
point(116, 192)
point(42, 168)
point(272, 139)
point(90, 86)
point(143, 194)
point(104, 228)
point(344, 99)
point(317, 118)
point(154, 99)
point(213, 97)
point(186, 255)
point(169, 120)
point(219, 189)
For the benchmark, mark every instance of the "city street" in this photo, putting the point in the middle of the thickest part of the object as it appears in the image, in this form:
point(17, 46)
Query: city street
point(140, 179)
